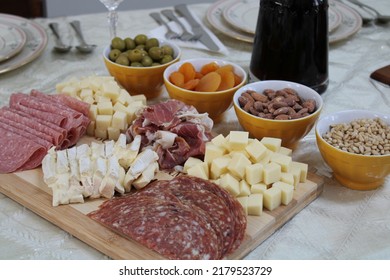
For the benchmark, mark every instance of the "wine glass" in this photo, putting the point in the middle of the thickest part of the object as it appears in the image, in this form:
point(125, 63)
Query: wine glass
point(112, 5)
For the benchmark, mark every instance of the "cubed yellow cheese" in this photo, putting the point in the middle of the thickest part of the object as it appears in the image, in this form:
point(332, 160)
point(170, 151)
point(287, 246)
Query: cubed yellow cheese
point(285, 151)
point(245, 188)
point(191, 161)
point(103, 122)
point(271, 143)
point(271, 173)
point(119, 120)
point(255, 204)
point(287, 191)
point(119, 107)
point(283, 160)
point(258, 188)
point(256, 150)
point(303, 167)
point(110, 89)
point(219, 166)
point(229, 183)
point(254, 173)
point(91, 128)
point(89, 100)
point(139, 97)
point(287, 178)
point(243, 200)
point(69, 90)
point(212, 151)
point(197, 171)
point(219, 140)
point(238, 164)
point(238, 140)
point(101, 133)
point(243, 152)
point(124, 98)
point(105, 108)
point(93, 112)
point(296, 172)
point(86, 92)
point(100, 98)
point(113, 133)
point(267, 157)
point(272, 198)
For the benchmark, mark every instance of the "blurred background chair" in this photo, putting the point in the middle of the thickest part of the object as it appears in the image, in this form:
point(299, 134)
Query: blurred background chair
point(24, 8)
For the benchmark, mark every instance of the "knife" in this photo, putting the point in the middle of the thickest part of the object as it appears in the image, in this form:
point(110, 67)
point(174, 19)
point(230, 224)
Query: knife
point(197, 29)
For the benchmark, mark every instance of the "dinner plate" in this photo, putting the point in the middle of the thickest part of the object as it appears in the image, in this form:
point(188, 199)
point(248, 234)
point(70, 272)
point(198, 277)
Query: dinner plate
point(36, 41)
point(12, 40)
point(242, 14)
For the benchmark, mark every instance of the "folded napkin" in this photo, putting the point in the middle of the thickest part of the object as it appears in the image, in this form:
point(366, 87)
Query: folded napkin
point(160, 31)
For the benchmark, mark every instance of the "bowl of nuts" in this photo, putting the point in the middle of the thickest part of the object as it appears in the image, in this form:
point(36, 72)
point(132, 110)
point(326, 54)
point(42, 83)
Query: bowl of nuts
point(280, 109)
point(138, 63)
point(356, 145)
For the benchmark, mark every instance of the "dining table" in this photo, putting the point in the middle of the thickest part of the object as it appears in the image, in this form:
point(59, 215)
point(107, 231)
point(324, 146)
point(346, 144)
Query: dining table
point(341, 224)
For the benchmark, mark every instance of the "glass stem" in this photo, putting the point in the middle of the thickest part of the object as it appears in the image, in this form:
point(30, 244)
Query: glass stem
point(113, 22)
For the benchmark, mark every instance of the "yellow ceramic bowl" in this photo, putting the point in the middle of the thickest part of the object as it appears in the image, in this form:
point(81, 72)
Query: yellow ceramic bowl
point(213, 103)
point(141, 80)
point(354, 171)
point(290, 131)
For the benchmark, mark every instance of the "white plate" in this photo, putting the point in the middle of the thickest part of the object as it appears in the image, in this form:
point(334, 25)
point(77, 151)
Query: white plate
point(242, 14)
point(12, 40)
point(36, 41)
point(343, 21)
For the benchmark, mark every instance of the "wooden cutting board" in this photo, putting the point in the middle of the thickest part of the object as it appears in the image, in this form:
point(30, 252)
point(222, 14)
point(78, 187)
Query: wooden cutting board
point(28, 189)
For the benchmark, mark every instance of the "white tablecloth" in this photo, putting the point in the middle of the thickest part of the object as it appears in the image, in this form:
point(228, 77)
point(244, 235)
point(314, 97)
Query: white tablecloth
point(340, 224)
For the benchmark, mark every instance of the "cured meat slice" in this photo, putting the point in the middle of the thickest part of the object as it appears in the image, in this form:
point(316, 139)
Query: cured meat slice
point(24, 154)
point(57, 134)
point(168, 227)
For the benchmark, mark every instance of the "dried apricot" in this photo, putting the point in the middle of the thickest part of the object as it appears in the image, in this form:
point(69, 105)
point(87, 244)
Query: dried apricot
point(177, 78)
point(191, 84)
point(237, 79)
point(227, 80)
point(188, 70)
point(225, 68)
point(209, 67)
point(209, 82)
point(198, 75)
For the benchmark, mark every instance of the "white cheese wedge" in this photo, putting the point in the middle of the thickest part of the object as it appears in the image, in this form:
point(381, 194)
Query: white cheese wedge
point(62, 164)
point(147, 176)
point(97, 150)
point(100, 170)
point(165, 138)
point(49, 167)
point(109, 147)
point(130, 153)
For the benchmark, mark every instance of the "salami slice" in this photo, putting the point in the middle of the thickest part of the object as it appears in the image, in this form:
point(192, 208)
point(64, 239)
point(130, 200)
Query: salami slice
point(168, 227)
point(24, 154)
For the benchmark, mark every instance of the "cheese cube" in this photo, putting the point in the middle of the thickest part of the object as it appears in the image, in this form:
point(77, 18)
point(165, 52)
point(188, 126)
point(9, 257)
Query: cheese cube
point(256, 150)
point(283, 160)
point(119, 107)
point(99, 133)
point(198, 170)
point(219, 166)
point(124, 98)
point(191, 161)
point(100, 98)
point(245, 188)
point(69, 90)
point(238, 164)
point(113, 133)
point(110, 90)
point(255, 204)
point(243, 200)
point(271, 143)
point(243, 152)
point(285, 151)
point(303, 167)
point(272, 198)
point(89, 100)
point(287, 191)
point(91, 128)
point(296, 172)
point(229, 183)
point(258, 188)
point(267, 157)
point(272, 172)
point(287, 178)
point(86, 92)
point(119, 120)
point(238, 140)
point(254, 173)
point(103, 121)
point(105, 108)
point(219, 140)
point(212, 151)
point(139, 98)
point(93, 112)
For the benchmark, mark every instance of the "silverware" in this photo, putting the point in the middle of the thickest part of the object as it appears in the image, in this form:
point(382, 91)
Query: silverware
point(382, 19)
point(83, 47)
point(186, 35)
point(170, 33)
point(60, 46)
point(197, 29)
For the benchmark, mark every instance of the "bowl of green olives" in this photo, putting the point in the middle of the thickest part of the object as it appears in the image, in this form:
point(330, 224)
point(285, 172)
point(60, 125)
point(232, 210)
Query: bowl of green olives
point(138, 63)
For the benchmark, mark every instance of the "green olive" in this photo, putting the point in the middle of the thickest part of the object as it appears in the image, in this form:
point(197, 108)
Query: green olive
point(156, 53)
point(140, 39)
point(152, 42)
point(166, 58)
point(122, 60)
point(135, 55)
point(118, 43)
point(140, 47)
point(147, 61)
point(136, 64)
point(167, 50)
point(156, 64)
point(113, 55)
point(130, 44)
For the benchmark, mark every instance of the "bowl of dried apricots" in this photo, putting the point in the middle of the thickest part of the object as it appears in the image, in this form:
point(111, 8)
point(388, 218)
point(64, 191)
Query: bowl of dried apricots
point(208, 84)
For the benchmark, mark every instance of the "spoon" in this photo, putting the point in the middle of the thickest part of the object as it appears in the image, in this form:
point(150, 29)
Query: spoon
point(186, 35)
point(60, 46)
point(83, 47)
point(383, 19)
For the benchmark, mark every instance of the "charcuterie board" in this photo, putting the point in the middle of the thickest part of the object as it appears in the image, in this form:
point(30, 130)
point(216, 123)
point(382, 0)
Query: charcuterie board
point(28, 189)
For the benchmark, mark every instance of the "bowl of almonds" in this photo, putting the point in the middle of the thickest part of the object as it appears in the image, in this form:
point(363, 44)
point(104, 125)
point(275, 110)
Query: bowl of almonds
point(279, 109)
point(356, 145)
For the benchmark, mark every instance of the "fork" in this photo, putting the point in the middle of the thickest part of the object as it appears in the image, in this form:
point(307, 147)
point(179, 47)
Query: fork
point(186, 35)
point(170, 33)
